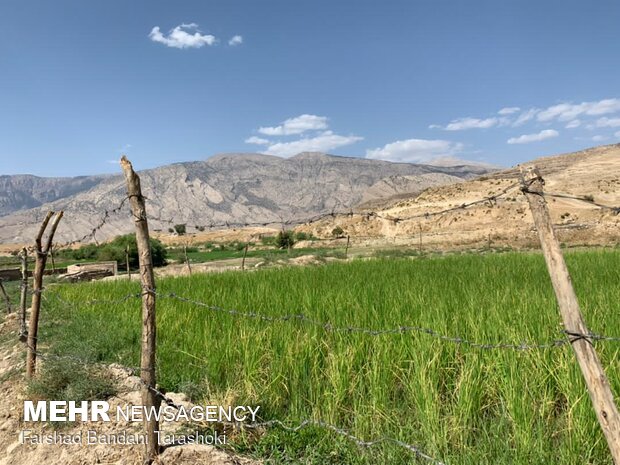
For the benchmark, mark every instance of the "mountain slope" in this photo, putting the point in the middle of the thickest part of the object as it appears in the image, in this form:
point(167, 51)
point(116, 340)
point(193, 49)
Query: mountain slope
point(593, 173)
point(235, 188)
point(26, 191)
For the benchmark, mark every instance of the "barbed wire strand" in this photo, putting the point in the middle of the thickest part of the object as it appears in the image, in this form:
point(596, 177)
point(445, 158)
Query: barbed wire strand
point(328, 327)
point(310, 423)
point(491, 199)
point(253, 426)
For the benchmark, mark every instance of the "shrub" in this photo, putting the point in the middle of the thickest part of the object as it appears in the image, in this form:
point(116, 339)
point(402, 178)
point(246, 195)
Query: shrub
point(303, 236)
point(337, 231)
point(180, 229)
point(69, 380)
point(285, 239)
point(115, 251)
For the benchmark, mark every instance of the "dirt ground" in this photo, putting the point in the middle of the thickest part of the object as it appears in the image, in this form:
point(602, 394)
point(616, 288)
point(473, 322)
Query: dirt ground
point(14, 452)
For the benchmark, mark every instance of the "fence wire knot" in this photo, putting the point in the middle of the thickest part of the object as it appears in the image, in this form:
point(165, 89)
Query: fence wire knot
point(574, 337)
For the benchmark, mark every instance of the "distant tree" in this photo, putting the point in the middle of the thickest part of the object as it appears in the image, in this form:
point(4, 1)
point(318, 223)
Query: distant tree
point(180, 229)
point(337, 231)
point(285, 239)
point(115, 251)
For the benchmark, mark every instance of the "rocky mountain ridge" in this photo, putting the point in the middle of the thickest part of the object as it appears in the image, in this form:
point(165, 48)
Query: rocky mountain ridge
point(234, 188)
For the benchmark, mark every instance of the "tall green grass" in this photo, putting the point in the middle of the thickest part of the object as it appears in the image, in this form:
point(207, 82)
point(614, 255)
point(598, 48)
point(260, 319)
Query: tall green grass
point(460, 404)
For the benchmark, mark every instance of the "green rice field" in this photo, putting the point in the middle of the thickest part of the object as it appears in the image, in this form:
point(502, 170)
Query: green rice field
point(458, 403)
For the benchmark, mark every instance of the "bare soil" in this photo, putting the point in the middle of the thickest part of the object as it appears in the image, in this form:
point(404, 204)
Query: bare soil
point(14, 452)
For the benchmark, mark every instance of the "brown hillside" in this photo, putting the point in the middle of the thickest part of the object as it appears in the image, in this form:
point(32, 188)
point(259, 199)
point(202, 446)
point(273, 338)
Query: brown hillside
point(507, 221)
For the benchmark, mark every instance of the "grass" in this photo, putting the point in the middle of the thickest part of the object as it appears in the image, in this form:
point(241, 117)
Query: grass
point(459, 404)
point(202, 256)
point(59, 262)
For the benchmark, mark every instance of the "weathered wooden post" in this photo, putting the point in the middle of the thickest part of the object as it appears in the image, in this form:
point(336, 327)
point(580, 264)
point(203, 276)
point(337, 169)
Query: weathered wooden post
point(37, 287)
point(574, 324)
point(420, 238)
point(23, 332)
point(6, 297)
point(189, 267)
point(52, 258)
point(147, 280)
point(245, 253)
point(127, 262)
point(346, 249)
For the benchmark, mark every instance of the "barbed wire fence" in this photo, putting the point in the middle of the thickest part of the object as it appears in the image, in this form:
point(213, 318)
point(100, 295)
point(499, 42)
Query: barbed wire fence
point(50, 293)
point(564, 339)
point(282, 222)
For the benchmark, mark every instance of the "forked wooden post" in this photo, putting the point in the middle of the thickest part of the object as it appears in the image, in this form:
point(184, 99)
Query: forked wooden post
point(51, 253)
point(574, 324)
point(23, 332)
point(147, 280)
point(37, 288)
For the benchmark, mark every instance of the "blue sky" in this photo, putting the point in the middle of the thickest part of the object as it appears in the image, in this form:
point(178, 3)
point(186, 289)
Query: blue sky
point(81, 82)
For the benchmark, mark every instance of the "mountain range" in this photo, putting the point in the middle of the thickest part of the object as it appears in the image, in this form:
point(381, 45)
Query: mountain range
point(234, 188)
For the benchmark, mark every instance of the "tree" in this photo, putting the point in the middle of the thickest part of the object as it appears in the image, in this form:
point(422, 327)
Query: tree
point(285, 239)
point(115, 251)
point(180, 229)
point(337, 231)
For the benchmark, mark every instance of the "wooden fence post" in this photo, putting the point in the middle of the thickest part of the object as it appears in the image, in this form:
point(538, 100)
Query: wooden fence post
point(52, 258)
point(346, 249)
point(245, 253)
point(574, 324)
point(23, 332)
point(420, 239)
point(189, 267)
point(6, 297)
point(147, 279)
point(37, 288)
point(127, 262)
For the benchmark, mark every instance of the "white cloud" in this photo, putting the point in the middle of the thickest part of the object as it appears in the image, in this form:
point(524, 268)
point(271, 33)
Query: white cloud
point(469, 123)
point(297, 125)
point(570, 111)
point(324, 142)
point(606, 123)
point(599, 138)
point(179, 37)
point(528, 138)
point(525, 116)
point(573, 124)
point(235, 40)
point(257, 141)
point(508, 111)
point(415, 150)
